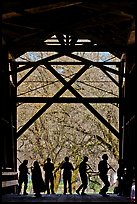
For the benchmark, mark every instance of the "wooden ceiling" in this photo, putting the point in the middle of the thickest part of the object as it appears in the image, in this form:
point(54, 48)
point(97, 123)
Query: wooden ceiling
point(26, 24)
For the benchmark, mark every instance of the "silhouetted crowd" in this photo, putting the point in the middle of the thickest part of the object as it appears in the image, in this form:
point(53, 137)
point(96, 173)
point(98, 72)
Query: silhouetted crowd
point(47, 185)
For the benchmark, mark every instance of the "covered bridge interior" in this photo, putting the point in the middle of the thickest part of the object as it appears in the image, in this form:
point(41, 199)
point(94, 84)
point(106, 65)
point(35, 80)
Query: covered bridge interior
point(109, 26)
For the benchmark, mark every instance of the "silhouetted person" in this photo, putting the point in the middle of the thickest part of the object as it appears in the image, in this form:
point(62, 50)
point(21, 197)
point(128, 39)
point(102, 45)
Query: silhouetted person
point(37, 180)
point(49, 178)
point(23, 177)
point(67, 174)
point(120, 177)
point(103, 169)
point(83, 175)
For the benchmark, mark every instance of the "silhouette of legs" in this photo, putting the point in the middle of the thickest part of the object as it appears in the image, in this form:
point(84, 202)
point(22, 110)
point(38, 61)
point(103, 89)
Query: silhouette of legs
point(52, 185)
point(83, 186)
point(67, 180)
point(51, 181)
point(69, 184)
point(79, 188)
point(25, 187)
point(104, 178)
point(20, 186)
point(65, 185)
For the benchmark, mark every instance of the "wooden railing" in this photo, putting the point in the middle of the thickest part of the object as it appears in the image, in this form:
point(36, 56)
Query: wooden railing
point(9, 181)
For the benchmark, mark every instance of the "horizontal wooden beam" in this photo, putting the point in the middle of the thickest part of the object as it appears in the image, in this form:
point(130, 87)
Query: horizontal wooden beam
point(9, 178)
point(67, 100)
point(9, 183)
point(69, 48)
point(66, 63)
point(27, 65)
point(6, 173)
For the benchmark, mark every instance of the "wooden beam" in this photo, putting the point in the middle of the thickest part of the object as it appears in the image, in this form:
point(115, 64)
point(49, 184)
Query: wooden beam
point(26, 75)
point(131, 39)
point(6, 173)
point(67, 100)
point(65, 63)
point(97, 64)
point(37, 63)
point(35, 66)
point(27, 65)
point(9, 179)
point(9, 183)
point(57, 95)
point(50, 7)
point(68, 48)
point(76, 94)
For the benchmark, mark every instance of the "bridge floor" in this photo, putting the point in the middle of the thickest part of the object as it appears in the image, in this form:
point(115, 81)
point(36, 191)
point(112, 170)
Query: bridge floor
point(64, 198)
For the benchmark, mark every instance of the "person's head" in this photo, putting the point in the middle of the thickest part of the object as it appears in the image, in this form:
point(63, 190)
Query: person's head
point(25, 162)
point(66, 159)
point(85, 158)
point(105, 157)
point(48, 159)
point(36, 163)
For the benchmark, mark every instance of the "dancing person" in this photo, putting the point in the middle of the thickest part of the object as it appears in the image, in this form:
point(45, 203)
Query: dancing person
point(83, 167)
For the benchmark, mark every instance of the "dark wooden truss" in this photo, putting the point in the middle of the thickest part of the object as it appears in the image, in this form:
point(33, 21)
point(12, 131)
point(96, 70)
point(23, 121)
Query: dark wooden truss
point(51, 26)
point(67, 85)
